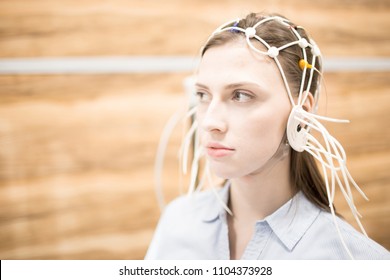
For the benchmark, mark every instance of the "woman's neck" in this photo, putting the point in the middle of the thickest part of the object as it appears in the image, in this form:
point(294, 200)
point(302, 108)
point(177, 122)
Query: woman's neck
point(259, 194)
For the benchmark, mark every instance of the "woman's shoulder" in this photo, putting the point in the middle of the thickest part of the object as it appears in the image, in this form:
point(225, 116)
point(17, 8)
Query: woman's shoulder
point(182, 227)
point(361, 246)
point(194, 204)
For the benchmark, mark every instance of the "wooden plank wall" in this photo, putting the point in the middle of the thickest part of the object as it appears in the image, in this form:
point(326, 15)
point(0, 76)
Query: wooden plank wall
point(77, 151)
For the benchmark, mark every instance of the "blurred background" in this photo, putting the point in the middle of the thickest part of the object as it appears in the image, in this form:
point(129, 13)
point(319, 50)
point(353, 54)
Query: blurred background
point(77, 149)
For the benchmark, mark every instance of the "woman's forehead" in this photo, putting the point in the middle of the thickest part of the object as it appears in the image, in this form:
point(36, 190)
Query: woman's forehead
point(234, 63)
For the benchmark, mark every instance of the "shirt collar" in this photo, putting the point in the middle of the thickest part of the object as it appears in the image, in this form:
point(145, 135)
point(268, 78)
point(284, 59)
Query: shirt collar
point(214, 208)
point(289, 223)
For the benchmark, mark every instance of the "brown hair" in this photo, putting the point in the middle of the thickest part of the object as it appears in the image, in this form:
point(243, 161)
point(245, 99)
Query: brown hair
point(304, 172)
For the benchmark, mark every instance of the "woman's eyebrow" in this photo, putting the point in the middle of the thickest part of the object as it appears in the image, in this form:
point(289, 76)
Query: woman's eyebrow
point(242, 84)
point(201, 86)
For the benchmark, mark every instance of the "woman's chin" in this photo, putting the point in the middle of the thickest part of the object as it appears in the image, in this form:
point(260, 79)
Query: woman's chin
point(224, 173)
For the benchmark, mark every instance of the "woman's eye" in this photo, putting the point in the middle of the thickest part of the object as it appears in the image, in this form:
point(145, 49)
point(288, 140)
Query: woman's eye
point(241, 96)
point(202, 96)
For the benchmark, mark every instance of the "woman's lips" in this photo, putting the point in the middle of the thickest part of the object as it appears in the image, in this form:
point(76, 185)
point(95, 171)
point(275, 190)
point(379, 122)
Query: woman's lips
point(217, 150)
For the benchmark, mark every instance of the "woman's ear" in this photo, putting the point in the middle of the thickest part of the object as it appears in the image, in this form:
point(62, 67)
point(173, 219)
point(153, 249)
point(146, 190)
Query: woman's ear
point(308, 105)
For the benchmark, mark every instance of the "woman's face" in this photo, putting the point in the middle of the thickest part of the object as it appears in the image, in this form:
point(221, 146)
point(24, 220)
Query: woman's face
point(242, 111)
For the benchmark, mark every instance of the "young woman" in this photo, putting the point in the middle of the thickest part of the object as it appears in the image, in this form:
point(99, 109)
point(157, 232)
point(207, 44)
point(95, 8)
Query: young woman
point(257, 84)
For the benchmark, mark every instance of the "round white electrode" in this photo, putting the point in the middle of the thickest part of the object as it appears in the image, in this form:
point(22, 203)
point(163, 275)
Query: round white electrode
point(273, 52)
point(250, 32)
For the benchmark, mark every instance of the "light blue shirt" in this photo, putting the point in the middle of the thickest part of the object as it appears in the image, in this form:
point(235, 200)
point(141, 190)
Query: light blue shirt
point(195, 227)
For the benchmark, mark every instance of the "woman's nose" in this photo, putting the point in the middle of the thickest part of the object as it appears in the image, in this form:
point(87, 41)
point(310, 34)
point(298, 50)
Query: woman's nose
point(214, 119)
